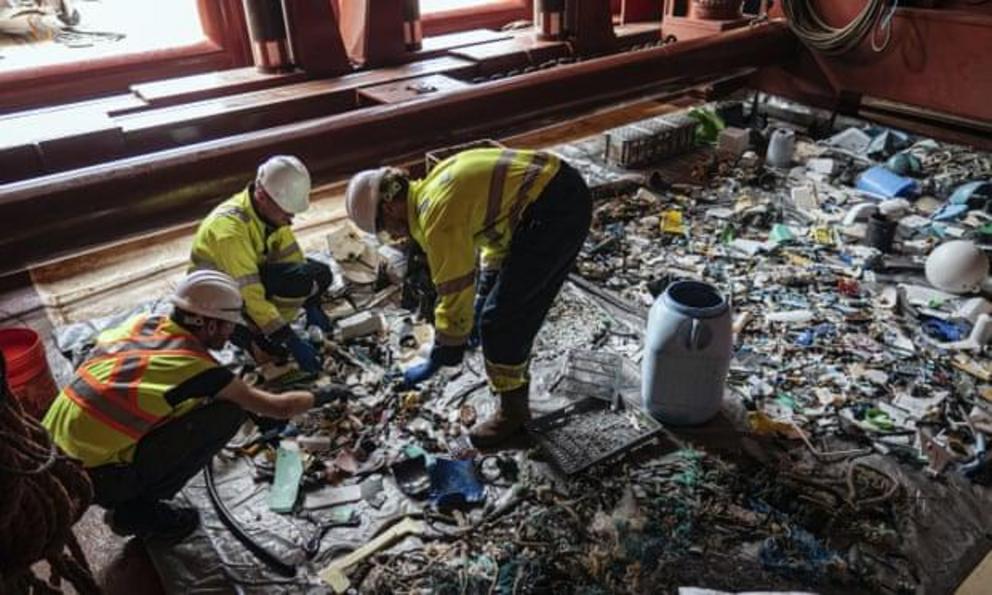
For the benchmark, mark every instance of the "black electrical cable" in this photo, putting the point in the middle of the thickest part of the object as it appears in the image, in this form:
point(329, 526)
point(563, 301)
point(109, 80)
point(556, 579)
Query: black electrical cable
point(229, 521)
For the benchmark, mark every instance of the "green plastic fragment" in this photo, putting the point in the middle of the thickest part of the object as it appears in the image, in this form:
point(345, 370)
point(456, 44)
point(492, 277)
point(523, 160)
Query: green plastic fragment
point(781, 234)
point(413, 451)
point(340, 515)
point(286, 485)
point(786, 400)
point(709, 125)
point(728, 234)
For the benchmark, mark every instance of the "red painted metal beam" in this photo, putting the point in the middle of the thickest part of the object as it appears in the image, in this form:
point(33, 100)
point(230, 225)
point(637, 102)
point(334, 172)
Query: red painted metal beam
point(61, 212)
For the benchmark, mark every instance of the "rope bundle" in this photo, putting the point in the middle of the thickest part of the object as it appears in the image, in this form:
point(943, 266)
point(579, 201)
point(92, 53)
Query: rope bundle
point(42, 494)
point(817, 34)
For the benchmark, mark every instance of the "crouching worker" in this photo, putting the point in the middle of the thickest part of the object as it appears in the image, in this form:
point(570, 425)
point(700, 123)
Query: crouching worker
point(523, 217)
point(151, 406)
point(249, 237)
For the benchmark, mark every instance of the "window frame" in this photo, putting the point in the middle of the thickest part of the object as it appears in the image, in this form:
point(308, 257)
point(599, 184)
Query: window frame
point(226, 47)
point(493, 16)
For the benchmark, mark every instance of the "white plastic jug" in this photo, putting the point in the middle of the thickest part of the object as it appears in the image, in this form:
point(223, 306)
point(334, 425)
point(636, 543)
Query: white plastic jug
point(686, 354)
point(781, 147)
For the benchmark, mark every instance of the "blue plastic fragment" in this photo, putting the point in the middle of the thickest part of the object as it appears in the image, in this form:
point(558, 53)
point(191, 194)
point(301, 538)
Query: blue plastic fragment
point(810, 335)
point(880, 181)
point(973, 194)
point(797, 553)
point(950, 212)
point(944, 330)
point(454, 483)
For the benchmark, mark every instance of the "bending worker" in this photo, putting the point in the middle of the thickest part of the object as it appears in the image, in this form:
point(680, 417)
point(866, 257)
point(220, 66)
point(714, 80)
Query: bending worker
point(249, 237)
point(523, 216)
point(151, 406)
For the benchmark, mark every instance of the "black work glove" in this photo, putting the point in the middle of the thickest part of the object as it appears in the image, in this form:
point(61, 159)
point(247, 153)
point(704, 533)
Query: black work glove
point(328, 394)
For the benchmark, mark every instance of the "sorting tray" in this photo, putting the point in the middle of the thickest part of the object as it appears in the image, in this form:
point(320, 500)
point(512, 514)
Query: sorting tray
point(589, 431)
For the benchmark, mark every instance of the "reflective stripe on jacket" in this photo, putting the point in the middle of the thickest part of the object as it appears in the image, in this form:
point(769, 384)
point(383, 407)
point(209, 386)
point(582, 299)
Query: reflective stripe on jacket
point(118, 395)
point(469, 203)
point(235, 240)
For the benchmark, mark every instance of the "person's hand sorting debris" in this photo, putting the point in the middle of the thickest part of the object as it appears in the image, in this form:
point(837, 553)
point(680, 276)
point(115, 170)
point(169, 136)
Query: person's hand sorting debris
point(303, 352)
point(323, 395)
point(441, 355)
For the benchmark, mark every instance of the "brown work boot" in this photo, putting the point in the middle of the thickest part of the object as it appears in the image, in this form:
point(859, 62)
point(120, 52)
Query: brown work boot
point(513, 413)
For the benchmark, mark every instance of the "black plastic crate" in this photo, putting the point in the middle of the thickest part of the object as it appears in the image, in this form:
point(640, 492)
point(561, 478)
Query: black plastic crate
point(588, 432)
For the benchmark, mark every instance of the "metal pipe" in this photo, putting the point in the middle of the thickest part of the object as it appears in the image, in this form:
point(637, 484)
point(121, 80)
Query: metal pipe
point(53, 214)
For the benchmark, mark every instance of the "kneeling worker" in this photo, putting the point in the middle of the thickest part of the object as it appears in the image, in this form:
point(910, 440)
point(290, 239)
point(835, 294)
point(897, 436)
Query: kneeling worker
point(151, 406)
point(249, 237)
point(526, 214)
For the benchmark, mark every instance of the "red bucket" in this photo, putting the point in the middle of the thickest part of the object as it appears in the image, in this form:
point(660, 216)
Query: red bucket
point(28, 374)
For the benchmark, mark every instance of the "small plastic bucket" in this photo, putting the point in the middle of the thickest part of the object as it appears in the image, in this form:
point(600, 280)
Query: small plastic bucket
point(28, 374)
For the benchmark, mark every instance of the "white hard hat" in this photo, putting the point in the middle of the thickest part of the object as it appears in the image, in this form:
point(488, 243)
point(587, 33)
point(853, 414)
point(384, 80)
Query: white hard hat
point(287, 181)
point(210, 293)
point(363, 197)
point(957, 267)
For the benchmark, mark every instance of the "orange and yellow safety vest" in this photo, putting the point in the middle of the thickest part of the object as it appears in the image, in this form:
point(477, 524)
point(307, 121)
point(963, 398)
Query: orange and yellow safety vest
point(118, 395)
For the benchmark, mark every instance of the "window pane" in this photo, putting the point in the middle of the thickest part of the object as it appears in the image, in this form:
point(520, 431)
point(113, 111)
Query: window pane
point(100, 29)
point(442, 5)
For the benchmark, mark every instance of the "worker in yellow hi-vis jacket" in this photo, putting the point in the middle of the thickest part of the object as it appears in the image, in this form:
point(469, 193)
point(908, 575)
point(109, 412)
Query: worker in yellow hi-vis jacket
point(249, 237)
point(151, 406)
point(501, 229)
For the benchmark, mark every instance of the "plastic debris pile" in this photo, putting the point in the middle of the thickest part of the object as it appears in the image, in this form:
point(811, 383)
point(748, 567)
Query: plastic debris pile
point(837, 335)
point(854, 375)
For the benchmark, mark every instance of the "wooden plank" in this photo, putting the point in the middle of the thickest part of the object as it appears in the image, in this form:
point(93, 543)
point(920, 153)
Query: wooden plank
point(73, 149)
point(979, 580)
point(107, 105)
point(172, 126)
point(211, 84)
point(512, 54)
point(400, 91)
point(637, 33)
point(63, 139)
point(19, 161)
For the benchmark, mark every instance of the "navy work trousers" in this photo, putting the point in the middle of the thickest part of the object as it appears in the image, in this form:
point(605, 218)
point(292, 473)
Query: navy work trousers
point(542, 252)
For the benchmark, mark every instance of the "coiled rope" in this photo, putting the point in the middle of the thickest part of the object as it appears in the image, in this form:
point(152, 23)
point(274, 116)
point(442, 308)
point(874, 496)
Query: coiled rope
point(42, 495)
point(824, 38)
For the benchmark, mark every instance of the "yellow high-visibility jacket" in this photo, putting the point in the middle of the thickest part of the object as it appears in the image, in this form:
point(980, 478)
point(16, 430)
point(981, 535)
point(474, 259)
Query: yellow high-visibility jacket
point(119, 394)
point(471, 203)
point(234, 239)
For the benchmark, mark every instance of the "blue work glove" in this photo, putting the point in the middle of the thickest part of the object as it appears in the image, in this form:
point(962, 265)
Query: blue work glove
point(441, 355)
point(317, 317)
point(483, 287)
point(304, 353)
